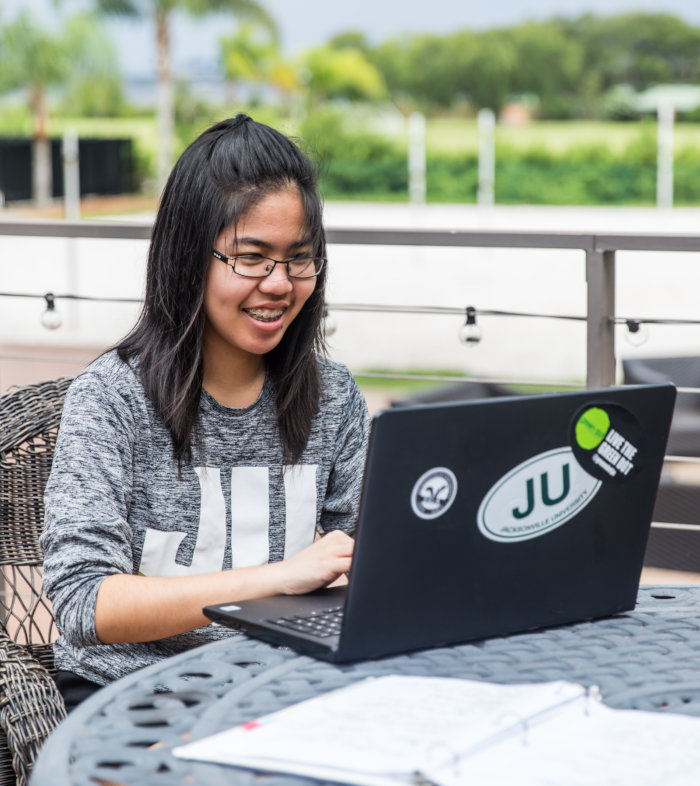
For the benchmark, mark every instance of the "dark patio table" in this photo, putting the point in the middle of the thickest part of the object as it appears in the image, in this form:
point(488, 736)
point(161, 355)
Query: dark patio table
point(647, 659)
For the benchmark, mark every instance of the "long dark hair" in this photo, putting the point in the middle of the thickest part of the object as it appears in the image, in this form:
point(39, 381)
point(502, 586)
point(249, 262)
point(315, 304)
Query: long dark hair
point(226, 170)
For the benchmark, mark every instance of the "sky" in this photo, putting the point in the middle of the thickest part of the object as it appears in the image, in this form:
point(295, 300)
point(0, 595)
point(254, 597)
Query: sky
point(308, 23)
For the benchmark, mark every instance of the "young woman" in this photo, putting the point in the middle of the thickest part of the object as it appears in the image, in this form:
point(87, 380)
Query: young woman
point(200, 461)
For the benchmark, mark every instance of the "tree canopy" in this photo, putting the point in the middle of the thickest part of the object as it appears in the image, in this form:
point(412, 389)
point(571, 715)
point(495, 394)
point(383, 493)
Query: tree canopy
point(563, 63)
point(331, 72)
point(585, 66)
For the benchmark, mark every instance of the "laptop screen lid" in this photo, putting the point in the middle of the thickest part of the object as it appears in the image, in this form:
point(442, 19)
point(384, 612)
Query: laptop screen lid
point(489, 517)
point(485, 518)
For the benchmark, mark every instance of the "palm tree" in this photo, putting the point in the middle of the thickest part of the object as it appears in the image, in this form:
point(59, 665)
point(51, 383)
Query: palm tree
point(248, 55)
point(36, 59)
point(161, 11)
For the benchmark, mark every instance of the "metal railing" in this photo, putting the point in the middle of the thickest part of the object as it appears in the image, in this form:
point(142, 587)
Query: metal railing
point(599, 250)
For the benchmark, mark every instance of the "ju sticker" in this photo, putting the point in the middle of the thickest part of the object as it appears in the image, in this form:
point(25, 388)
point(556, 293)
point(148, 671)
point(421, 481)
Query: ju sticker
point(607, 441)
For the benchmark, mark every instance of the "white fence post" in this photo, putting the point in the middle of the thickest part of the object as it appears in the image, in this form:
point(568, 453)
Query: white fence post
point(664, 158)
point(71, 176)
point(486, 123)
point(416, 158)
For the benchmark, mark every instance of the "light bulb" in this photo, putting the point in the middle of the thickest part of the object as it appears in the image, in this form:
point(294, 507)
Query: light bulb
point(470, 332)
point(51, 319)
point(637, 333)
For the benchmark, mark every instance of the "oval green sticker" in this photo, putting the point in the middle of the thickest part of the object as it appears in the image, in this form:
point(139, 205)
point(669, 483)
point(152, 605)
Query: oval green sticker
point(592, 427)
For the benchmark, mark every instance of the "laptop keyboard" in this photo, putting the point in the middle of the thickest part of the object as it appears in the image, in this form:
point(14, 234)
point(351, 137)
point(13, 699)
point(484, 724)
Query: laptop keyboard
point(322, 623)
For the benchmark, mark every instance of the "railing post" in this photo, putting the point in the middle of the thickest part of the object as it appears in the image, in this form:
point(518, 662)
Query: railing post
point(600, 342)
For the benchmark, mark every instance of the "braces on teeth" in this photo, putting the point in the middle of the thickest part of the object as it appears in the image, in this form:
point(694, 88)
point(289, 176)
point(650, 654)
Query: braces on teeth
point(265, 316)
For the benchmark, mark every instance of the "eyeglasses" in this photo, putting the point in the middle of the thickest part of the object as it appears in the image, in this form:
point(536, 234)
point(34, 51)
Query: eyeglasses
point(258, 266)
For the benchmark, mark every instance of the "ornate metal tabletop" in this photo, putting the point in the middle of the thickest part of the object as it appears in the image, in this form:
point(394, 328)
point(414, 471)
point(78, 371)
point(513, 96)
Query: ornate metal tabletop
point(648, 659)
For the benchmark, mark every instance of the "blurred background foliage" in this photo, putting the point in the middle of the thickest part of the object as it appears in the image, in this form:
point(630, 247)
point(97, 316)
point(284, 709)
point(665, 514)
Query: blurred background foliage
point(579, 136)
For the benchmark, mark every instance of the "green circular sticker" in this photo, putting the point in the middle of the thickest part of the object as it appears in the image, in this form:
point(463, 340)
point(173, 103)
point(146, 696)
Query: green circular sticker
point(592, 427)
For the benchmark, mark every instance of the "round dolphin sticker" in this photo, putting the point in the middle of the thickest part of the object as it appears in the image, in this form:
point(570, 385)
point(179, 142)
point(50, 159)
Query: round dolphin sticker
point(434, 492)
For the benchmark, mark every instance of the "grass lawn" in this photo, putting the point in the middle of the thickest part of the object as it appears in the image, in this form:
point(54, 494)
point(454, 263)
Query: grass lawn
point(458, 134)
point(379, 393)
point(443, 134)
point(16, 121)
point(142, 130)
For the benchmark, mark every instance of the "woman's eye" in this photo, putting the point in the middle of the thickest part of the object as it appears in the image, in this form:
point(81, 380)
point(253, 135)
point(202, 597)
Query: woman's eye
point(250, 257)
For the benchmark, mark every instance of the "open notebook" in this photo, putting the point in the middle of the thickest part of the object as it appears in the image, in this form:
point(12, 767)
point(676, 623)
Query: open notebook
point(452, 732)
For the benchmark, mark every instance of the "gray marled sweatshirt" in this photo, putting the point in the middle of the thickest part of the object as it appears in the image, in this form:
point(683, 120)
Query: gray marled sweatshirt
point(116, 504)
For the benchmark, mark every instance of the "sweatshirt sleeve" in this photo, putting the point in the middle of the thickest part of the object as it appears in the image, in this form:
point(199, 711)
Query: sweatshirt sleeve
point(86, 535)
point(341, 504)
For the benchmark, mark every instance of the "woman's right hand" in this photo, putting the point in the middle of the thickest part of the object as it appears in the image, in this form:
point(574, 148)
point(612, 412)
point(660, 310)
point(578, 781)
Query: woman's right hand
point(144, 608)
point(318, 565)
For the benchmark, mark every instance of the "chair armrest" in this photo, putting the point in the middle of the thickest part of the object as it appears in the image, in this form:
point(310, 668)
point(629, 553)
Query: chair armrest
point(30, 705)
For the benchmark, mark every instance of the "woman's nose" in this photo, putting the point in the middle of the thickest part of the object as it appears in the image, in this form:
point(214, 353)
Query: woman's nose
point(278, 280)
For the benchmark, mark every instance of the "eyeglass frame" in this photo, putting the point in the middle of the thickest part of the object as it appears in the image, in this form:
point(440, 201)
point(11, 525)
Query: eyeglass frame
point(231, 262)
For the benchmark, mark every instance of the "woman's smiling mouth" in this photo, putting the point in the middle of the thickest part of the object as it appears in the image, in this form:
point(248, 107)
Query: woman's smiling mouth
point(264, 314)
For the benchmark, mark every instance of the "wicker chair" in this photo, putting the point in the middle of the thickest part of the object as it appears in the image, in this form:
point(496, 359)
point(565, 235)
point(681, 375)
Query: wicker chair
point(30, 705)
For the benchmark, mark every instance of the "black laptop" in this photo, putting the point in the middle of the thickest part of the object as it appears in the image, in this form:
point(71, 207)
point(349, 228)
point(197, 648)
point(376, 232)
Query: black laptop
point(485, 518)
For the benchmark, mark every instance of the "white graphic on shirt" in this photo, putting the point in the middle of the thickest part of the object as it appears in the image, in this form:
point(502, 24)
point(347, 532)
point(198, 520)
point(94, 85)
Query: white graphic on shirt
point(249, 517)
point(160, 548)
point(300, 495)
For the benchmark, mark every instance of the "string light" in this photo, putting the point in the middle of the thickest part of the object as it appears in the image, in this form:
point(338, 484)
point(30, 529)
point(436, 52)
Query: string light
point(470, 332)
point(51, 319)
point(637, 332)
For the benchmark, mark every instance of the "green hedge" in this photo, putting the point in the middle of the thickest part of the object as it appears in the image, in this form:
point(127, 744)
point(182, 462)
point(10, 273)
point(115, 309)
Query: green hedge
point(386, 177)
point(580, 177)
